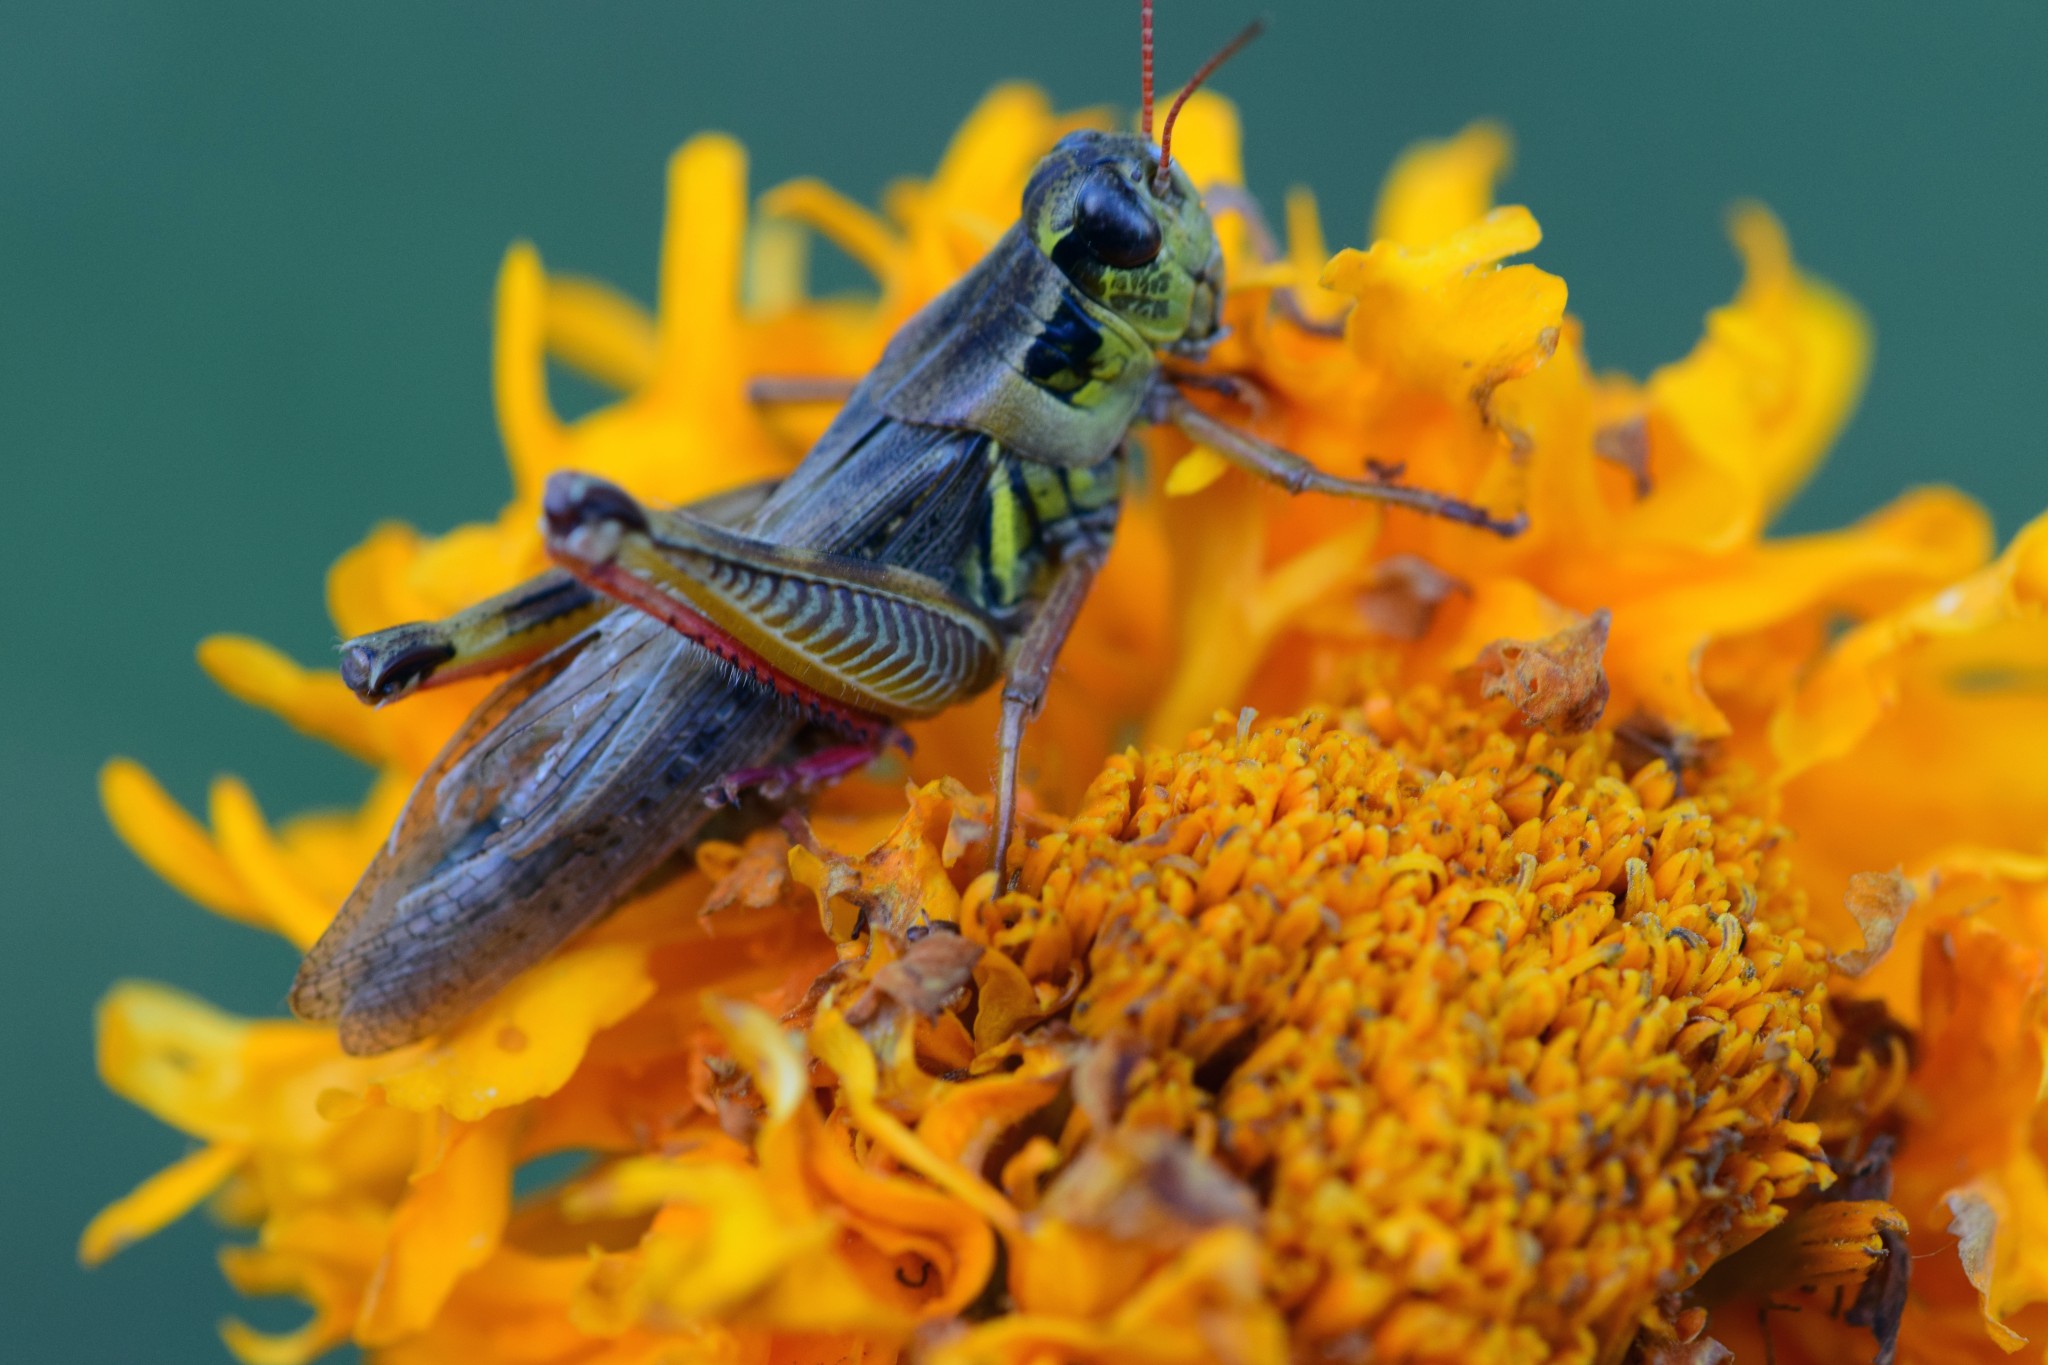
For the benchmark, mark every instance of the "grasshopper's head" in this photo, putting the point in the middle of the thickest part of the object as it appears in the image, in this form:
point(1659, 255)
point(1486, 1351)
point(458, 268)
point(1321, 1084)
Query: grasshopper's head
point(1137, 242)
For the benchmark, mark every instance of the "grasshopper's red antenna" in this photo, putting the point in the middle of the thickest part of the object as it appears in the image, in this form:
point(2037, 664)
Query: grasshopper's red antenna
point(1224, 54)
point(1145, 67)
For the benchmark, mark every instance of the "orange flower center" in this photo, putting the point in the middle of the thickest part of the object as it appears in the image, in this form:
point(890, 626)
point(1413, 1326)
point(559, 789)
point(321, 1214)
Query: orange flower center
point(1504, 1036)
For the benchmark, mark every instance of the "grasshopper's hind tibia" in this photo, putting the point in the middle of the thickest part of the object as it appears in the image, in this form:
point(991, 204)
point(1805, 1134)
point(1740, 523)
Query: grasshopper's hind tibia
point(1296, 475)
point(501, 633)
point(858, 641)
point(513, 628)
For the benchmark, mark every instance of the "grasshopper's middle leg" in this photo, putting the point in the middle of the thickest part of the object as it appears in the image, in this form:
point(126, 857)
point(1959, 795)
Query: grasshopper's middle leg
point(1024, 683)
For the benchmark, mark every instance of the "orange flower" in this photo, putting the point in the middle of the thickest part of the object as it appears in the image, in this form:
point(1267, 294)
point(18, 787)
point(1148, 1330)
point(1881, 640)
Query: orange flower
point(1401, 1028)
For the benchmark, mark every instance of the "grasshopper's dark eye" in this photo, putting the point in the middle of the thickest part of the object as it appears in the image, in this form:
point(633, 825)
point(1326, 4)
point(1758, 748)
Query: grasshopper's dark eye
point(1112, 224)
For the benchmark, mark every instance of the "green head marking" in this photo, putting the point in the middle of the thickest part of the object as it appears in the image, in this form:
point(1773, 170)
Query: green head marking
point(1134, 240)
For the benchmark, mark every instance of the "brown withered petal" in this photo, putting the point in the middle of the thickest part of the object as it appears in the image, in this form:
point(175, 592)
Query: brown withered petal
point(1881, 1303)
point(1556, 683)
point(1877, 901)
point(930, 971)
point(1627, 443)
point(1148, 1187)
point(1401, 600)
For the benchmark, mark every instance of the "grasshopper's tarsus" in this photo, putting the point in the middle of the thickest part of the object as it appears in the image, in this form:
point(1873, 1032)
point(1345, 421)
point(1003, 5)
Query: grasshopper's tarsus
point(779, 782)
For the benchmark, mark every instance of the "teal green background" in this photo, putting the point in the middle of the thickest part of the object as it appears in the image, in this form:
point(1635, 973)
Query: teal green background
point(246, 254)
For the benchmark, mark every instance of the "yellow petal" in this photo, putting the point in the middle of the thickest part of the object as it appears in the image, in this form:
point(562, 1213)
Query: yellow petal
point(171, 843)
point(702, 255)
point(368, 588)
point(288, 907)
point(597, 330)
point(527, 1040)
point(1439, 188)
point(1195, 471)
point(177, 1057)
point(848, 226)
point(837, 1044)
point(159, 1201)
point(1448, 317)
point(771, 1055)
point(313, 703)
point(986, 161)
point(1923, 539)
point(1859, 681)
point(533, 436)
point(1766, 390)
point(1208, 140)
point(727, 1244)
point(296, 1347)
point(447, 1225)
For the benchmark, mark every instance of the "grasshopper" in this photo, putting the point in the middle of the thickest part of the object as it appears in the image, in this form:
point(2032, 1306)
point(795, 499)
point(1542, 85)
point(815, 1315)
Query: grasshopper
point(939, 538)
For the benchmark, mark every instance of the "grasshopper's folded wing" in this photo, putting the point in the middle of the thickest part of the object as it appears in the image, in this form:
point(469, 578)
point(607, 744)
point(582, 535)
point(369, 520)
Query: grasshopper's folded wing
point(569, 784)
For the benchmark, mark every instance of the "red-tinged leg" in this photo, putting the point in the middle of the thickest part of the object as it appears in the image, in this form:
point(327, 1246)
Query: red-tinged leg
point(857, 642)
point(503, 632)
point(806, 774)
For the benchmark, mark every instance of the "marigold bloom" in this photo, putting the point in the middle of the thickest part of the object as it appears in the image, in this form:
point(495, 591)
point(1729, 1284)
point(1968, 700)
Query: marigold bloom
point(1421, 1010)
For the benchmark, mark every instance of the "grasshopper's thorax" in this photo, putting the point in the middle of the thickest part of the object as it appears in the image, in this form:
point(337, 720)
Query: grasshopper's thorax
point(1139, 247)
point(1049, 345)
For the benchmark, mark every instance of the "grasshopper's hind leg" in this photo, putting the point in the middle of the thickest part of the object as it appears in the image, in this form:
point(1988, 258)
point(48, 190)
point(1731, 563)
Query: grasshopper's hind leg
point(508, 630)
point(858, 643)
point(1025, 681)
point(504, 632)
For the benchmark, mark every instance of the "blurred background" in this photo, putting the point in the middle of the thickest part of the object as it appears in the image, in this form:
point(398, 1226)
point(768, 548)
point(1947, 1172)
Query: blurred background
point(246, 257)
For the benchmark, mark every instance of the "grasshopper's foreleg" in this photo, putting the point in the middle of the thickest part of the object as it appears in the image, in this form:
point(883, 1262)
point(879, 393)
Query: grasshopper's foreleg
point(502, 633)
point(860, 643)
point(1297, 475)
point(1025, 681)
point(772, 389)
